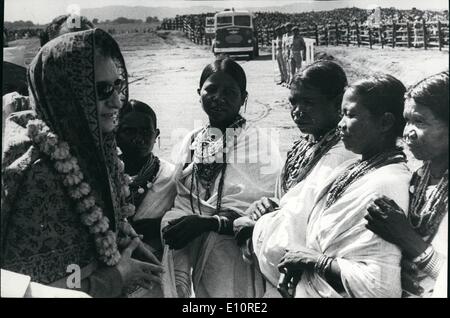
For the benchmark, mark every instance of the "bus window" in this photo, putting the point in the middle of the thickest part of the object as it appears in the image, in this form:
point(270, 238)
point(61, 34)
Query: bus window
point(224, 21)
point(242, 20)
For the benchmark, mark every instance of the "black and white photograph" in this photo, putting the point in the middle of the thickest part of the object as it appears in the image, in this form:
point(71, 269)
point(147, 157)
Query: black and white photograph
point(225, 149)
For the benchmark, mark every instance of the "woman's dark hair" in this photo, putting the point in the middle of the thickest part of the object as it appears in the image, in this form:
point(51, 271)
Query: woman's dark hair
point(380, 94)
point(55, 28)
point(134, 105)
point(228, 66)
point(326, 76)
point(432, 92)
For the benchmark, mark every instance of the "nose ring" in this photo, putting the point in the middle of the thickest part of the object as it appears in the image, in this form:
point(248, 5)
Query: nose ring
point(412, 135)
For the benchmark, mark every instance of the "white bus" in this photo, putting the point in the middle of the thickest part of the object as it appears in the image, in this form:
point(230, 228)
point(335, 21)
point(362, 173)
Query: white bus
point(235, 33)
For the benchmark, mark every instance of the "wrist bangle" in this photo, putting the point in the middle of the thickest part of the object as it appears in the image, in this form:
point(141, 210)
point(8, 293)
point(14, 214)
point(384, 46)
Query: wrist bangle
point(434, 265)
point(322, 263)
point(219, 223)
point(424, 256)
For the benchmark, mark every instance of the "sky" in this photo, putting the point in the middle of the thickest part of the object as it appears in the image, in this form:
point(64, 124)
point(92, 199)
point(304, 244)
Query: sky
point(43, 11)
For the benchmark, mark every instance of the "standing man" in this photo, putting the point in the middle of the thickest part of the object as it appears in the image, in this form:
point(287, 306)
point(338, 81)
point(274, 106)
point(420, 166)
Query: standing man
point(279, 53)
point(287, 51)
point(298, 52)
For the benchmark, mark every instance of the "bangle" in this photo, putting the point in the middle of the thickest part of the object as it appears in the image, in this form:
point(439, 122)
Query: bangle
point(322, 264)
point(218, 222)
point(422, 258)
point(434, 265)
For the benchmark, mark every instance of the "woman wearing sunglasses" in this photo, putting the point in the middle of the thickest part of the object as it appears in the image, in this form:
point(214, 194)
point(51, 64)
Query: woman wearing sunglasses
point(64, 199)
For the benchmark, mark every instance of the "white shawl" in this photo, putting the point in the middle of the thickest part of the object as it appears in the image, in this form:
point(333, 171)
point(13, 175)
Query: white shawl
point(161, 195)
point(216, 260)
point(370, 266)
point(274, 232)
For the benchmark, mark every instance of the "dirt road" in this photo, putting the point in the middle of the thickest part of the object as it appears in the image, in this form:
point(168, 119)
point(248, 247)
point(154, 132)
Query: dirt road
point(166, 75)
point(165, 71)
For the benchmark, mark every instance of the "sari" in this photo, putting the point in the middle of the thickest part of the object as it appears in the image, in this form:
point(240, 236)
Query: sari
point(278, 230)
point(218, 269)
point(370, 266)
point(42, 233)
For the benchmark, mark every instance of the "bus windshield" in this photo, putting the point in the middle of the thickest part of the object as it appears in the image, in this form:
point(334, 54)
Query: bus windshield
point(242, 20)
point(226, 20)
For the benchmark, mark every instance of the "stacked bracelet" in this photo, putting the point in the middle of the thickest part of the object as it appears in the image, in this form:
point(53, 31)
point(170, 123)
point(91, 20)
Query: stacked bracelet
point(434, 265)
point(424, 257)
point(322, 265)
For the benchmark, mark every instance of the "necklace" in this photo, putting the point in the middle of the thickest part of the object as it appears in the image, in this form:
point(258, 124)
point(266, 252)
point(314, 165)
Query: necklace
point(304, 155)
point(426, 214)
point(361, 168)
point(210, 160)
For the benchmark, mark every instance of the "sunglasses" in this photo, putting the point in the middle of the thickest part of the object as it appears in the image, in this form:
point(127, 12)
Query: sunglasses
point(106, 89)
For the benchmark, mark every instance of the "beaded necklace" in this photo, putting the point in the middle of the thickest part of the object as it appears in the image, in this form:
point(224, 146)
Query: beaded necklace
point(304, 155)
point(361, 168)
point(426, 214)
point(207, 150)
point(144, 180)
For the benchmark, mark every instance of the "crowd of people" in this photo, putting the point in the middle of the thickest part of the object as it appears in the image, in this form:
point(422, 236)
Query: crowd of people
point(339, 215)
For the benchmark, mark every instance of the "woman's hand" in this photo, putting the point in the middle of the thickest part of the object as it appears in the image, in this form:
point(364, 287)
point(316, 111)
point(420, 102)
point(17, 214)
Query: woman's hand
point(299, 260)
point(292, 265)
point(288, 282)
point(258, 208)
point(243, 229)
point(133, 271)
point(386, 219)
point(182, 231)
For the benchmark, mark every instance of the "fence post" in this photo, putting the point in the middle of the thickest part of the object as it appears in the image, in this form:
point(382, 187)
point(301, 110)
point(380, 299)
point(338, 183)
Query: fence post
point(394, 34)
point(316, 31)
point(348, 33)
point(381, 36)
point(336, 34)
point(358, 38)
point(370, 37)
point(439, 36)
point(425, 40)
point(408, 34)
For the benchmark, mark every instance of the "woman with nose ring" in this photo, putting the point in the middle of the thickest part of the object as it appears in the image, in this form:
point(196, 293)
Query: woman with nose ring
point(315, 97)
point(422, 235)
point(221, 169)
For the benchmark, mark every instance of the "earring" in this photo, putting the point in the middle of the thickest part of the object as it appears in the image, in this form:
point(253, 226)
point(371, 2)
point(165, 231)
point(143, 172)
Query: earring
point(245, 104)
point(159, 142)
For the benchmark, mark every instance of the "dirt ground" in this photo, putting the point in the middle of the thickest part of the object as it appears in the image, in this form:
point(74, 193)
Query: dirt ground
point(165, 68)
point(165, 72)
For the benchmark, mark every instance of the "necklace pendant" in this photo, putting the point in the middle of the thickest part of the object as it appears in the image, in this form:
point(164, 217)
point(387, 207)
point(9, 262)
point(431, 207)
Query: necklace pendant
point(141, 190)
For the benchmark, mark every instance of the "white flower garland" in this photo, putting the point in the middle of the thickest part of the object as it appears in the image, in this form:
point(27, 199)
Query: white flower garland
point(91, 214)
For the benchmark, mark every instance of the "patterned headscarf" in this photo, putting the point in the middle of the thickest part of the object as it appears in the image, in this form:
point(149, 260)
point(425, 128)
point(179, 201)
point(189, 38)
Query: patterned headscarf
point(61, 80)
